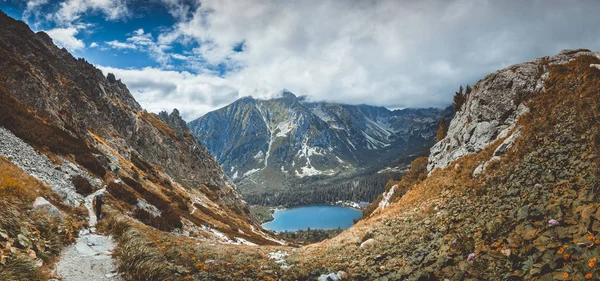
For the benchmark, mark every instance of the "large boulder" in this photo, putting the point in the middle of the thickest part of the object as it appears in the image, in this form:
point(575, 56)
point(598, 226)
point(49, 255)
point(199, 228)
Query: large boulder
point(41, 204)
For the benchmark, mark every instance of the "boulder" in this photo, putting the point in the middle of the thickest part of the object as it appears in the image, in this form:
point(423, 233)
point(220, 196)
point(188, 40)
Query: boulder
point(41, 204)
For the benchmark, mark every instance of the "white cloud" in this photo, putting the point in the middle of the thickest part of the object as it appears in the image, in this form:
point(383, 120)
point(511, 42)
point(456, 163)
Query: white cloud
point(193, 94)
point(179, 57)
point(388, 52)
point(94, 45)
point(65, 37)
point(120, 45)
point(140, 40)
point(32, 8)
point(72, 10)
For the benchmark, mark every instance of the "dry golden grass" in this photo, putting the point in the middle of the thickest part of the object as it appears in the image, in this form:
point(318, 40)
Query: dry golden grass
point(29, 234)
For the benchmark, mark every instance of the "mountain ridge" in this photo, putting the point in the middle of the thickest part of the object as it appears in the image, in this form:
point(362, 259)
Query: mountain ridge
point(287, 140)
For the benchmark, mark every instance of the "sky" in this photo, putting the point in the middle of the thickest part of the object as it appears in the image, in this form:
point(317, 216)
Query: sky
point(198, 56)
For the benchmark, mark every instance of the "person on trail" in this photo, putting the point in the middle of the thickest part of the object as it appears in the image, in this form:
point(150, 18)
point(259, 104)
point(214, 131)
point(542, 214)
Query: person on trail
point(98, 205)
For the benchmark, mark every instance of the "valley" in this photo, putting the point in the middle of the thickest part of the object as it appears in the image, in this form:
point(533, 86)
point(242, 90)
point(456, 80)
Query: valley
point(503, 184)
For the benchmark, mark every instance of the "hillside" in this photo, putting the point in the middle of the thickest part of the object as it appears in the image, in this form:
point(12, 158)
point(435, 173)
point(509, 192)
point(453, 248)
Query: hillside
point(287, 148)
point(76, 130)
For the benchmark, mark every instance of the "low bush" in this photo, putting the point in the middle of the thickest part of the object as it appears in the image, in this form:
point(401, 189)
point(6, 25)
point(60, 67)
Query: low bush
point(20, 267)
point(168, 220)
point(149, 196)
point(122, 192)
point(82, 185)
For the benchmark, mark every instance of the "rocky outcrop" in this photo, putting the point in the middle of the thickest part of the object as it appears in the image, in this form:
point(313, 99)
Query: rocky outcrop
point(492, 109)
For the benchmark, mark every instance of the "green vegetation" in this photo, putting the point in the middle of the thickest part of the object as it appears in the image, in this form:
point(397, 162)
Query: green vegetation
point(442, 129)
point(262, 213)
point(459, 99)
point(82, 185)
point(310, 235)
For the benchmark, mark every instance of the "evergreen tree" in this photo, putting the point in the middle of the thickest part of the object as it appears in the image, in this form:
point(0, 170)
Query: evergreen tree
point(442, 129)
point(459, 99)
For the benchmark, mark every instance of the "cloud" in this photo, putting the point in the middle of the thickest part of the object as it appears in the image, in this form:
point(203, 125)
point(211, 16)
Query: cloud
point(32, 8)
point(71, 10)
point(120, 45)
point(65, 37)
point(390, 53)
point(162, 90)
point(94, 45)
point(140, 40)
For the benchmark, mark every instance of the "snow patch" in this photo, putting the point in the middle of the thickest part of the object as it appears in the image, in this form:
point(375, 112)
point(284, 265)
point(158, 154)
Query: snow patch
point(284, 128)
point(279, 258)
point(250, 172)
point(258, 155)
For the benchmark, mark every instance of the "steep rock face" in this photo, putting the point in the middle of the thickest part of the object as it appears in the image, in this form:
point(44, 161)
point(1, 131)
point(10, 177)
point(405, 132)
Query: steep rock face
point(287, 142)
point(493, 108)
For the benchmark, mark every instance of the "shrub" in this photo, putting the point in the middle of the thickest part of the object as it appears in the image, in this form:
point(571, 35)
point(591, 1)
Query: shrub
point(20, 267)
point(82, 185)
point(140, 163)
point(122, 192)
point(149, 196)
point(167, 221)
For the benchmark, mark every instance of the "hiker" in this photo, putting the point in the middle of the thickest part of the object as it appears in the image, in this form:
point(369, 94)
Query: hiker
point(98, 204)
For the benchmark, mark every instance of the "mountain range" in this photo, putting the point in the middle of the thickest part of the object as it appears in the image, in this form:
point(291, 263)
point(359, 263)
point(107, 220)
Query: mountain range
point(269, 147)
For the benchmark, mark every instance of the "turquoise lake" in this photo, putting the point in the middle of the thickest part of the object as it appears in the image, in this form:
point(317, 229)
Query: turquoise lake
point(315, 217)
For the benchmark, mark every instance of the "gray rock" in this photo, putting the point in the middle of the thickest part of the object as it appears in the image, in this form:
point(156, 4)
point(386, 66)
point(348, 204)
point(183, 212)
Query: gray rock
point(41, 204)
point(493, 109)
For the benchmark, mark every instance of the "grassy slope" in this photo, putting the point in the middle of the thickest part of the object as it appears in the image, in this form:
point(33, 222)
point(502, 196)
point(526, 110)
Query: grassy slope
point(27, 235)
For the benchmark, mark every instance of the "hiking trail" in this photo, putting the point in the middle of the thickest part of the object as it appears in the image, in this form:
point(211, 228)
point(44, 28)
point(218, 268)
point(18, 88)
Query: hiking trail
point(90, 257)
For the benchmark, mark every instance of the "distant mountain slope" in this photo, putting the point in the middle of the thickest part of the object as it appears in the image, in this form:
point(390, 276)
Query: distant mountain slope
point(82, 122)
point(287, 142)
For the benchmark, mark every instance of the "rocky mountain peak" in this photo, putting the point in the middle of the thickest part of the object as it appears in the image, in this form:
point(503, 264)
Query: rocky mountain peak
point(45, 37)
point(174, 120)
point(288, 95)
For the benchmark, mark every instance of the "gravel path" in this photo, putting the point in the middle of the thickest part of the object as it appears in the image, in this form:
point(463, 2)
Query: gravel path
point(89, 259)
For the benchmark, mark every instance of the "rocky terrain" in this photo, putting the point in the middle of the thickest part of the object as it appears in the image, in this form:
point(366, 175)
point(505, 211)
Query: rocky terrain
point(280, 149)
point(76, 130)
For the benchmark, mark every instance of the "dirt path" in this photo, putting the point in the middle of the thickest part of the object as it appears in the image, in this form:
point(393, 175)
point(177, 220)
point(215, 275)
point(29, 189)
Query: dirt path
point(89, 259)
